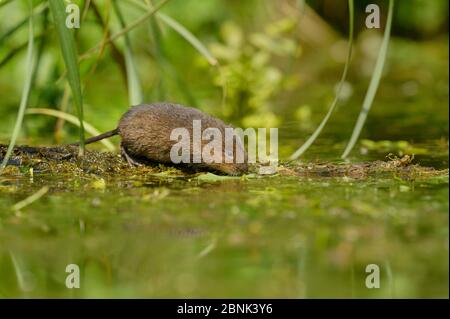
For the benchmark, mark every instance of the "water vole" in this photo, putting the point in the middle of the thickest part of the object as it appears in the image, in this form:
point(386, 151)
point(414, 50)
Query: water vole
point(145, 132)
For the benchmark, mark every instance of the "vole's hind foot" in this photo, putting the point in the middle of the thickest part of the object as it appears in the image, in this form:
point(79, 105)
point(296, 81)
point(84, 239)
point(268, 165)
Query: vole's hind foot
point(130, 160)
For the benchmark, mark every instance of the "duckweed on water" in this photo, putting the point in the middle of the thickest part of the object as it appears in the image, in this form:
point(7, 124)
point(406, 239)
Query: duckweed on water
point(64, 160)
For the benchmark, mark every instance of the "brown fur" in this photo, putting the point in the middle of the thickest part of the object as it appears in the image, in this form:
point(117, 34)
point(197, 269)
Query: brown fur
point(145, 134)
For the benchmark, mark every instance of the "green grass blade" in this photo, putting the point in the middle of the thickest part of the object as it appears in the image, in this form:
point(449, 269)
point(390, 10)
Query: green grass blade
point(183, 32)
point(38, 10)
point(73, 120)
point(125, 30)
point(30, 199)
point(165, 65)
point(374, 82)
point(25, 92)
point(316, 133)
point(2, 3)
point(23, 284)
point(11, 54)
point(188, 36)
point(158, 51)
point(69, 52)
point(134, 84)
point(41, 46)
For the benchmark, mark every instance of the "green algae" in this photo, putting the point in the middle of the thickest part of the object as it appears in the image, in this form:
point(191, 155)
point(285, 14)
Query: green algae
point(64, 160)
point(156, 231)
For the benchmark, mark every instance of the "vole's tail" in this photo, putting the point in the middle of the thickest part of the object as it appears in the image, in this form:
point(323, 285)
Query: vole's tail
point(57, 149)
point(98, 137)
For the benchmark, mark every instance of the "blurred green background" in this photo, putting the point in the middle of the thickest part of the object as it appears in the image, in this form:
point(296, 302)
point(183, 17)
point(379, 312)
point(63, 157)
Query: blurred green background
point(279, 63)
